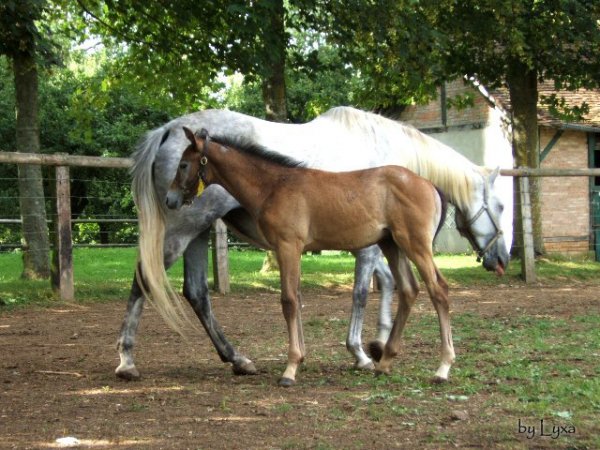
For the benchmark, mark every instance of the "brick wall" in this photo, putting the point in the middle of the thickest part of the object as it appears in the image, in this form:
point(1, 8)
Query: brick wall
point(565, 200)
point(430, 115)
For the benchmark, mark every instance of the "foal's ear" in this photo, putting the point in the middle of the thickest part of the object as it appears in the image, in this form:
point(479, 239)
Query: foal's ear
point(190, 135)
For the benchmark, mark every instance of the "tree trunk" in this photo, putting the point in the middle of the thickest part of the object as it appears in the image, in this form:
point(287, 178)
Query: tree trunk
point(273, 87)
point(31, 191)
point(522, 83)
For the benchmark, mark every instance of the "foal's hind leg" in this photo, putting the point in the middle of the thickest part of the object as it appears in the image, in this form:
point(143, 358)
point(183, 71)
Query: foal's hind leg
point(438, 291)
point(408, 290)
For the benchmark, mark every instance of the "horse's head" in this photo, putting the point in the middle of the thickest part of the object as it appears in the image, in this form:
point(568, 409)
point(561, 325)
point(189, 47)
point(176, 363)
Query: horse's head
point(188, 178)
point(481, 223)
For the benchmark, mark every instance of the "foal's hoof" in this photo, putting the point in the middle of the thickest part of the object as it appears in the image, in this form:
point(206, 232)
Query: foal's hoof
point(439, 380)
point(382, 372)
point(245, 368)
point(130, 374)
point(286, 382)
point(376, 350)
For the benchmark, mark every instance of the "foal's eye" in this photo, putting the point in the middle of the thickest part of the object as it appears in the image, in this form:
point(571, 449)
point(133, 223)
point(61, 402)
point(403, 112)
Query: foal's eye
point(183, 166)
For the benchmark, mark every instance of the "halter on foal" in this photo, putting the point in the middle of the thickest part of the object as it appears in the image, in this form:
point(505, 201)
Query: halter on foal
point(299, 209)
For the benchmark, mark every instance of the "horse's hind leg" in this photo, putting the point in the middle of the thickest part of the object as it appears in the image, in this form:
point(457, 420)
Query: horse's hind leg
point(368, 260)
point(384, 322)
point(363, 271)
point(408, 290)
point(135, 305)
point(195, 290)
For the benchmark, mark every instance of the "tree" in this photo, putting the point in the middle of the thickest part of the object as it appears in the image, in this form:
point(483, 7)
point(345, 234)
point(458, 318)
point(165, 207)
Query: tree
point(516, 44)
point(20, 40)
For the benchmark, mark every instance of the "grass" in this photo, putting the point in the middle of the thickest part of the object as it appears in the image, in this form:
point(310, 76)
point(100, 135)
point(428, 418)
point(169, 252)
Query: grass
point(510, 368)
point(104, 274)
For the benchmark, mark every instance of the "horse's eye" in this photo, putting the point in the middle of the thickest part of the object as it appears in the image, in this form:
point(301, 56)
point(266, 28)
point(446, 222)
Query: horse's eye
point(183, 166)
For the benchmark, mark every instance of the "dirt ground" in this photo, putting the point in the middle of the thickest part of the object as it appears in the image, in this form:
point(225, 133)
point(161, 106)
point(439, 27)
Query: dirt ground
point(57, 378)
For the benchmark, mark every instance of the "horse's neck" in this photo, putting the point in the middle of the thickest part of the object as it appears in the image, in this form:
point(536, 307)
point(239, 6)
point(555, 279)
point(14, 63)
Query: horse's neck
point(233, 170)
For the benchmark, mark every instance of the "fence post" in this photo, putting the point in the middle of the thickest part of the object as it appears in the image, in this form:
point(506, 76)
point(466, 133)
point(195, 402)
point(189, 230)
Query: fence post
point(62, 255)
point(528, 257)
point(220, 257)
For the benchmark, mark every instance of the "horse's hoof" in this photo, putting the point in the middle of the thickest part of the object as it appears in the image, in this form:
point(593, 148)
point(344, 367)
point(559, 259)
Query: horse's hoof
point(367, 366)
point(245, 368)
point(376, 350)
point(439, 380)
point(286, 382)
point(130, 374)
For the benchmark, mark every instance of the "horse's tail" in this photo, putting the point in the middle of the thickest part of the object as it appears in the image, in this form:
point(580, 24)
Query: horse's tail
point(444, 211)
point(151, 273)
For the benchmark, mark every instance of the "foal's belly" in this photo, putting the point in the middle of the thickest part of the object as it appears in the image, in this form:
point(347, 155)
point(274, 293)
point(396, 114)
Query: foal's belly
point(344, 238)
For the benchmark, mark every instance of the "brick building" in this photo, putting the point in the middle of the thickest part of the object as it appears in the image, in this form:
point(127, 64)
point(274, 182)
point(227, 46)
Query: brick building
point(481, 131)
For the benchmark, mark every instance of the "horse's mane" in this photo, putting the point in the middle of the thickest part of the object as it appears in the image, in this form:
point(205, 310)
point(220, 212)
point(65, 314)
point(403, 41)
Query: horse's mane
point(247, 146)
point(429, 158)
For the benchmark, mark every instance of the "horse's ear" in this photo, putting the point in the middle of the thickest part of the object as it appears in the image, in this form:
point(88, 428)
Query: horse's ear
point(190, 135)
point(494, 175)
point(202, 134)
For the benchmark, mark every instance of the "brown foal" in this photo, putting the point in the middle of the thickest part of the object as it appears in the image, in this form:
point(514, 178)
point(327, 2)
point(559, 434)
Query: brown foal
point(299, 209)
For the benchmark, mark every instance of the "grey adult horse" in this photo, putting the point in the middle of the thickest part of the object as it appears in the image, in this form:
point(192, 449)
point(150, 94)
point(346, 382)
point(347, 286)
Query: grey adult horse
point(166, 234)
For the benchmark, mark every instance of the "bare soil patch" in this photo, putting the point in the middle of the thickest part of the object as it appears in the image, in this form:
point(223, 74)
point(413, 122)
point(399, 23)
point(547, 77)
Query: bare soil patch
point(57, 379)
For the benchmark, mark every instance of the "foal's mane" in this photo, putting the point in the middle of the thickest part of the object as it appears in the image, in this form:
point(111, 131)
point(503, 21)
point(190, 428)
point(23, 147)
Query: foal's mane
point(260, 151)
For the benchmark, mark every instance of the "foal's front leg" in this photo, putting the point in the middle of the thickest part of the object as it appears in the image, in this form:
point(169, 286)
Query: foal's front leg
point(288, 258)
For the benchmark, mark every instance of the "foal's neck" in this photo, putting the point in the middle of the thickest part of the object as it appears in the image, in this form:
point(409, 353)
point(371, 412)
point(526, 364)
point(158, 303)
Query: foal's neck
point(248, 178)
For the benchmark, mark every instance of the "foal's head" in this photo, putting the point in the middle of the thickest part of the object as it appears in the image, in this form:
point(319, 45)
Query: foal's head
point(188, 182)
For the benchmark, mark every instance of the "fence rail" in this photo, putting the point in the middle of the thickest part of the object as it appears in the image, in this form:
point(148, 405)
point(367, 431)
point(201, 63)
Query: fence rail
point(63, 248)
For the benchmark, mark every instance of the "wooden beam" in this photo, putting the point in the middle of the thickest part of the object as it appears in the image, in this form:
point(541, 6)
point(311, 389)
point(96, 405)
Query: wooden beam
point(528, 255)
point(220, 257)
point(551, 144)
point(62, 255)
point(65, 160)
point(549, 172)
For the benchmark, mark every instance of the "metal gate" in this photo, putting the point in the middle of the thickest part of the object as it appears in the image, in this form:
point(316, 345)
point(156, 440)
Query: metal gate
point(594, 158)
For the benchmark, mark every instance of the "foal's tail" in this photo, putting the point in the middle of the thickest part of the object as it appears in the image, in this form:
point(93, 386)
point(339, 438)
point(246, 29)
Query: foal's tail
point(444, 211)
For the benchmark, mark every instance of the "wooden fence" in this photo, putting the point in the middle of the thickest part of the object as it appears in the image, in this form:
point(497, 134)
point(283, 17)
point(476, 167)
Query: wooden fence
point(62, 255)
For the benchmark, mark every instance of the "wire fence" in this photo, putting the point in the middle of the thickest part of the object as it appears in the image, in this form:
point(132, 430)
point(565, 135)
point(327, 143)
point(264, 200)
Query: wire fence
point(101, 211)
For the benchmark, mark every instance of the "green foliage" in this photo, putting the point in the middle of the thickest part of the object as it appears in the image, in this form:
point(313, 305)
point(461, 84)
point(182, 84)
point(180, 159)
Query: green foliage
point(85, 111)
point(405, 48)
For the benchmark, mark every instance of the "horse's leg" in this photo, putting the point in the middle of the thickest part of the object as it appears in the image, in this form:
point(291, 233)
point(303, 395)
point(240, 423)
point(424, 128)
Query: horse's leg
point(384, 323)
point(135, 305)
point(288, 258)
point(408, 290)
point(195, 290)
point(367, 261)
